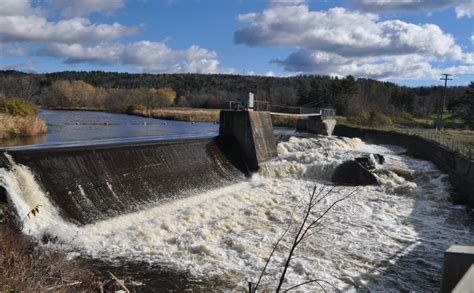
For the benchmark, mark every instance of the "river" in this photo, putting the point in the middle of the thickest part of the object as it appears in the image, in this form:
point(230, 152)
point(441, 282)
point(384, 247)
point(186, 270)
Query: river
point(385, 237)
point(92, 127)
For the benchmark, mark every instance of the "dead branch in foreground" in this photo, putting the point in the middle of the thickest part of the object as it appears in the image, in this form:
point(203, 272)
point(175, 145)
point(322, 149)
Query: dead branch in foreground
point(306, 229)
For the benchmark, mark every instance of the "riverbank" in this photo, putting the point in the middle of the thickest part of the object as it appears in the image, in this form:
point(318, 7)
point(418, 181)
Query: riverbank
point(18, 126)
point(204, 115)
point(25, 267)
point(181, 114)
point(458, 141)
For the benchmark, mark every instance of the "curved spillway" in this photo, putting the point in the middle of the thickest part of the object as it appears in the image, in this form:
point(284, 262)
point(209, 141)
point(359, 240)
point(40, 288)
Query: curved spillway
point(390, 236)
point(94, 183)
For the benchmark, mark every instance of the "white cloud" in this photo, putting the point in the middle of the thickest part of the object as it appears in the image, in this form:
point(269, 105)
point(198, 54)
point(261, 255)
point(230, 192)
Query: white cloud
point(76, 30)
point(344, 32)
point(270, 73)
point(20, 22)
point(145, 56)
point(78, 40)
point(342, 42)
point(472, 39)
point(15, 7)
point(74, 8)
point(463, 8)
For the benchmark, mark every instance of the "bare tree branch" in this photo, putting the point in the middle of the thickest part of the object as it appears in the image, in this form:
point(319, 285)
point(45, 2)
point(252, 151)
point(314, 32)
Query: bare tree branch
point(303, 231)
point(276, 246)
point(313, 281)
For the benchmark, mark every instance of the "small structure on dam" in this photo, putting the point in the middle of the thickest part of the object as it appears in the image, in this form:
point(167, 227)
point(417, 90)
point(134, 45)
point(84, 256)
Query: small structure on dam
point(251, 131)
point(323, 124)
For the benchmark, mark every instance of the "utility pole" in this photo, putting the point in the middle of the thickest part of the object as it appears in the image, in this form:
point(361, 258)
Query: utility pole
point(442, 104)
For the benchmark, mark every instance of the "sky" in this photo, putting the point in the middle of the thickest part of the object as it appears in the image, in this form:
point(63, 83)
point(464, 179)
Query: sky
point(409, 42)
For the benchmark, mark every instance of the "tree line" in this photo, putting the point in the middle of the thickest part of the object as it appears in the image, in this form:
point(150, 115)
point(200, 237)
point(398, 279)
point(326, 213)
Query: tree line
point(118, 92)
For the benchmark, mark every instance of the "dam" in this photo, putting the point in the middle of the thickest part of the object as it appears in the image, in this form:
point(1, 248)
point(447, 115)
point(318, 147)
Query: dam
point(121, 202)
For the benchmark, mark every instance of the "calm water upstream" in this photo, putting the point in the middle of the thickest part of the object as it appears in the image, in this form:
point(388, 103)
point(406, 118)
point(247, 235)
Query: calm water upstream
point(86, 127)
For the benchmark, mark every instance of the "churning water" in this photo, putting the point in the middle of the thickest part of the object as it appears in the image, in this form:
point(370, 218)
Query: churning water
point(385, 237)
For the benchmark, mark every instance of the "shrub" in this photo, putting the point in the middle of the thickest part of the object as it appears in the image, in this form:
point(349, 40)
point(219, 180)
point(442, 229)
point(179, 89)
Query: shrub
point(404, 118)
point(136, 108)
point(17, 126)
point(377, 118)
point(373, 118)
point(17, 107)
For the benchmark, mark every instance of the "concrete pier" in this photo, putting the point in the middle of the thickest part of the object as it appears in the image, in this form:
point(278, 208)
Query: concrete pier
point(457, 261)
point(317, 125)
point(253, 132)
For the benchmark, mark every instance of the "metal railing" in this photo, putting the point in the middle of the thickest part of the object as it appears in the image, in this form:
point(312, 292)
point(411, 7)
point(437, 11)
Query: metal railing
point(277, 108)
point(446, 139)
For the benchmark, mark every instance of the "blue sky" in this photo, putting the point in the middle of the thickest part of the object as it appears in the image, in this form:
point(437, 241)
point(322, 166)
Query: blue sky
point(409, 42)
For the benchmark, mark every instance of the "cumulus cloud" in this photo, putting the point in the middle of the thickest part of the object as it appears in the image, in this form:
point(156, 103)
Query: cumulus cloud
point(15, 7)
point(20, 22)
point(386, 68)
point(342, 42)
point(347, 33)
point(74, 8)
point(144, 56)
point(76, 39)
point(37, 28)
point(463, 8)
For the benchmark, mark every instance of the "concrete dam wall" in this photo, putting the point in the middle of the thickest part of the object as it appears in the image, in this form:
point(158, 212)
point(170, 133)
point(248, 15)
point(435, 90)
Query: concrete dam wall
point(92, 183)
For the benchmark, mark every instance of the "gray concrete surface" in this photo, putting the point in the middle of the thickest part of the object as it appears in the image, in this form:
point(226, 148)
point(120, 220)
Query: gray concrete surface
point(253, 132)
point(317, 125)
point(457, 261)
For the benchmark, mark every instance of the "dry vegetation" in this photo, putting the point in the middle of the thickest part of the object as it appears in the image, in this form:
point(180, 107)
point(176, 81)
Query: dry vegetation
point(26, 268)
point(182, 114)
point(18, 118)
point(15, 126)
point(204, 115)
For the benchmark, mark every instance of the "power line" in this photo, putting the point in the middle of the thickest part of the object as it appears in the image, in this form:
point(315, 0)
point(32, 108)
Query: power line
point(442, 104)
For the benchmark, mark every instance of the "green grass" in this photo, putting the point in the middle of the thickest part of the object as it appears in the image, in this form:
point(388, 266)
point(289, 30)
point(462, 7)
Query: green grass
point(457, 140)
point(17, 107)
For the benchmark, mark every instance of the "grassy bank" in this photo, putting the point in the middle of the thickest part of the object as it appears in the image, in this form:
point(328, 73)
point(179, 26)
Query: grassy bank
point(459, 141)
point(182, 114)
point(18, 118)
point(18, 126)
point(24, 267)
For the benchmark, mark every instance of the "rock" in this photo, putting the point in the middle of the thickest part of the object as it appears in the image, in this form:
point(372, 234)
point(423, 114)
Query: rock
point(369, 161)
point(379, 158)
point(354, 173)
point(366, 162)
point(403, 173)
point(3, 195)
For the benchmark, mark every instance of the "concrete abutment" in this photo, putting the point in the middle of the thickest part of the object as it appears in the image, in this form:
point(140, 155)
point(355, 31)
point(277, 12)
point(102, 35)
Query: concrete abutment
point(253, 132)
point(317, 125)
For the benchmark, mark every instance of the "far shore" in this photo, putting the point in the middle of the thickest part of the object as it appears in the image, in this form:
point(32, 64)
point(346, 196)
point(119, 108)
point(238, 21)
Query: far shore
point(182, 114)
point(75, 109)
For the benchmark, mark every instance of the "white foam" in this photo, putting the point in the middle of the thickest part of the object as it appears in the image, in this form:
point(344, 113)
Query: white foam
point(229, 232)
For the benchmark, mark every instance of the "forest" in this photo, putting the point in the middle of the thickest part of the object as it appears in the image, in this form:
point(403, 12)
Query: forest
point(124, 92)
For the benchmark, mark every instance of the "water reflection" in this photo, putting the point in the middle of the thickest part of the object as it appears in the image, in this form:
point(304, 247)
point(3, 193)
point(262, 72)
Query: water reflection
point(38, 139)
